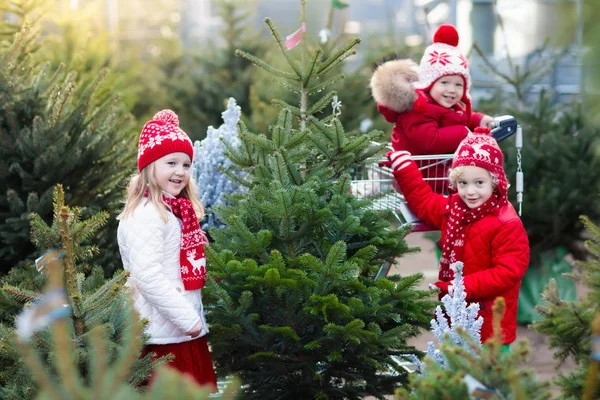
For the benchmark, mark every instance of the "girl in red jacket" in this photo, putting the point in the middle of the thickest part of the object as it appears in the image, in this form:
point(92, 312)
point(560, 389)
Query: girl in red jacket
point(479, 226)
point(429, 105)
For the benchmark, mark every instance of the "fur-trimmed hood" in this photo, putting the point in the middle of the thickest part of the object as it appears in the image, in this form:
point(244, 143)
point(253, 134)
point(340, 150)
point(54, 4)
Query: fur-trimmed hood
point(392, 84)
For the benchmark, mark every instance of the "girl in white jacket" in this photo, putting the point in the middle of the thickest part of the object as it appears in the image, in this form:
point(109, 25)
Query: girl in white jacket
point(161, 245)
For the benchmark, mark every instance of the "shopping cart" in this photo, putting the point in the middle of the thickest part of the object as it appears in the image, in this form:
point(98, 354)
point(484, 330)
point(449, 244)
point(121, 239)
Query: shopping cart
point(377, 181)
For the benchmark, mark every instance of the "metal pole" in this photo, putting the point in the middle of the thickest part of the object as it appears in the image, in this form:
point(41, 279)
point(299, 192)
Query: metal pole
point(483, 21)
point(452, 12)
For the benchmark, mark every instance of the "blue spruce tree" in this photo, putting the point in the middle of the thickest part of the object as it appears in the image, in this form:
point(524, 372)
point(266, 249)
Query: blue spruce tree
point(212, 171)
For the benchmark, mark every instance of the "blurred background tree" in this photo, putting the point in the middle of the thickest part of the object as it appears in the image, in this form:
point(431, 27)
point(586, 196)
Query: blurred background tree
point(56, 127)
point(569, 324)
point(560, 155)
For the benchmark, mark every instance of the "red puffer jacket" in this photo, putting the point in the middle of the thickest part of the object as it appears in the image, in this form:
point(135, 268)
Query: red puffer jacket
point(496, 253)
point(430, 128)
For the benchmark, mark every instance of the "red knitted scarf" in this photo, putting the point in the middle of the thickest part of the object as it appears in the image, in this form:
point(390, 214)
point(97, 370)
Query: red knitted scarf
point(191, 255)
point(461, 216)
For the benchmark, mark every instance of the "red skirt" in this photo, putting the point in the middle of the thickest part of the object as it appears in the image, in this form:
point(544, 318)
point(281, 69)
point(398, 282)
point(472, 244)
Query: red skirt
point(192, 358)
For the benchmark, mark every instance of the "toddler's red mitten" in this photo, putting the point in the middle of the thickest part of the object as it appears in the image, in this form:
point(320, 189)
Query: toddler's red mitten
point(445, 287)
point(400, 159)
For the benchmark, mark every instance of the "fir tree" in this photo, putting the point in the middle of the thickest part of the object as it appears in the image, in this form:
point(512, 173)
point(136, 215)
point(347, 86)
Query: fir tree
point(477, 371)
point(55, 128)
point(212, 170)
point(92, 302)
point(568, 324)
point(299, 313)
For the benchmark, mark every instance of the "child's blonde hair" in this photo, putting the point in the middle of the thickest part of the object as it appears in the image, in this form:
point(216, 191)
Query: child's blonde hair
point(456, 172)
point(145, 180)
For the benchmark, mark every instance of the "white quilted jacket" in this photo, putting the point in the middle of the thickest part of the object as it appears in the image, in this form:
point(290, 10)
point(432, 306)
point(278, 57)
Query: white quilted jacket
point(150, 251)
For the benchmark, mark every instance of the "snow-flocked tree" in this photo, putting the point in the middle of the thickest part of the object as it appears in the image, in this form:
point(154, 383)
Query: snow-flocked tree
point(457, 317)
point(213, 172)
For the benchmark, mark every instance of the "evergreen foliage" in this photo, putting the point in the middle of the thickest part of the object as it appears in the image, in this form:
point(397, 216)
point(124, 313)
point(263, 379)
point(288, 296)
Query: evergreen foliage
point(55, 127)
point(76, 40)
point(299, 313)
point(560, 156)
point(103, 362)
point(501, 373)
point(568, 324)
point(561, 163)
point(15, 12)
point(93, 302)
point(213, 172)
point(560, 152)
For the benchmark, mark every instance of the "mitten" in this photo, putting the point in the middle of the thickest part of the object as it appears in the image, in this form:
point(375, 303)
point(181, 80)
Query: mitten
point(400, 159)
point(444, 287)
point(386, 162)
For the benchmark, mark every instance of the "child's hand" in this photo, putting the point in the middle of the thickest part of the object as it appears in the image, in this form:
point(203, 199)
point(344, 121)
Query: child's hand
point(444, 287)
point(486, 121)
point(400, 159)
point(195, 330)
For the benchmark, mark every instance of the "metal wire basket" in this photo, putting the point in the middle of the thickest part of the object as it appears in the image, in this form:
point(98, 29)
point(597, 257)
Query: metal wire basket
point(377, 180)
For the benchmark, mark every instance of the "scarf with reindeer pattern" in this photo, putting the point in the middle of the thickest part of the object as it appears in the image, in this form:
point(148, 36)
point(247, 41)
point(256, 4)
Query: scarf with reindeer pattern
point(191, 255)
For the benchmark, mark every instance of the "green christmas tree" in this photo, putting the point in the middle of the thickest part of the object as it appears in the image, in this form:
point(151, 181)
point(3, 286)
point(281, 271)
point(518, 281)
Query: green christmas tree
point(478, 371)
point(568, 324)
point(298, 310)
point(56, 127)
point(92, 301)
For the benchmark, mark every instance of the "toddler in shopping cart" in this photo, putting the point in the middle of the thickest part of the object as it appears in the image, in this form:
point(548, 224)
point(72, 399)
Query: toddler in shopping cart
point(429, 104)
point(479, 226)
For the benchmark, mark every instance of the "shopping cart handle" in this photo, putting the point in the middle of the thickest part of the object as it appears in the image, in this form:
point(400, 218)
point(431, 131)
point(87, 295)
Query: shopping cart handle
point(503, 127)
point(384, 163)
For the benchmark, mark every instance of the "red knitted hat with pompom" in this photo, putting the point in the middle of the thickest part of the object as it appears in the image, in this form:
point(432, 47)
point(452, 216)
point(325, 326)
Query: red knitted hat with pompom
point(480, 149)
point(161, 136)
point(444, 58)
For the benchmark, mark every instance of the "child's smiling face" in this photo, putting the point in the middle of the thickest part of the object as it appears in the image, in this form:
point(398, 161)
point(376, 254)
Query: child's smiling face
point(172, 172)
point(448, 90)
point(474, 186)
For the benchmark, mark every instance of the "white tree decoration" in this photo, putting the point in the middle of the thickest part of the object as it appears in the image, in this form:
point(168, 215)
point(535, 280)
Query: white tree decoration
point(459, 315)
point(210, 160)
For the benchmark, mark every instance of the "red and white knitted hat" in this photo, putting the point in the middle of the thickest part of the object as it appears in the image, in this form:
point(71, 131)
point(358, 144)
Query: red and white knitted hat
point(161, 136)
point(444, 58)
point(480, 149)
